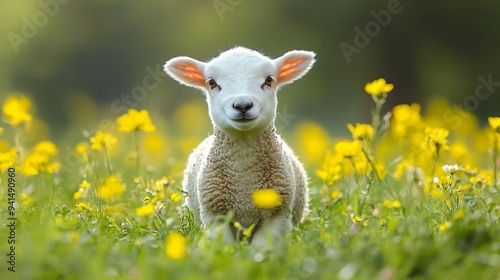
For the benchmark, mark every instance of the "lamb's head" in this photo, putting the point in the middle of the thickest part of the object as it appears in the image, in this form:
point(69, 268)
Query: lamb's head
point(240, 85)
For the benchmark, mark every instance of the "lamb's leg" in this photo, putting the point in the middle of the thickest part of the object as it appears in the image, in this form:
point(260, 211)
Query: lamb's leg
point(216, 227)
point(272, 230)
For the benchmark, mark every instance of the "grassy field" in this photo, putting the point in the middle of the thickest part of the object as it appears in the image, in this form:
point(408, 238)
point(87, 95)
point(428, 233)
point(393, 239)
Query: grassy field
point(408, 197)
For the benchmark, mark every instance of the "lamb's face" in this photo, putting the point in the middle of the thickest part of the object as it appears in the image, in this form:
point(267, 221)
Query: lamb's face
point(242, 92)
point(241, 85)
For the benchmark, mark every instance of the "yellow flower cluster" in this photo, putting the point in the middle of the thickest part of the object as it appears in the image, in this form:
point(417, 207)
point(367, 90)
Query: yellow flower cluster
point(361, 131)
point(8, 159)
point(437, 139)
point(378, 87)
point(39, 161)
point(135, 120)
point(103, 139)
point(110, 188)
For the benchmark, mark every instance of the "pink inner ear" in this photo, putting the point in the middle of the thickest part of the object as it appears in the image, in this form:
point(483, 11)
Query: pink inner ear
point(191, 72)
point(289, 68)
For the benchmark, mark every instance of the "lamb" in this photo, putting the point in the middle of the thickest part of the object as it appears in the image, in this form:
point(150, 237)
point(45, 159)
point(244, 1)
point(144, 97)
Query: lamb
point(244, 153)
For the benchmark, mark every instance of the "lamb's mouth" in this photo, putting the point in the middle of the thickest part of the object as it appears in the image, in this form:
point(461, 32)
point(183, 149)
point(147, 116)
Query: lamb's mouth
point(244, 120)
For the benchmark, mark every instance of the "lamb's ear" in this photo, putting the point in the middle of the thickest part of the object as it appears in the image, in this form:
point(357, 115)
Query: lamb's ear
point(186, 71)
point(293, 65)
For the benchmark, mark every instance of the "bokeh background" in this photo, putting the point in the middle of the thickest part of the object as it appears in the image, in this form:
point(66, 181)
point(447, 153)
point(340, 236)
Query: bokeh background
point(79, 60)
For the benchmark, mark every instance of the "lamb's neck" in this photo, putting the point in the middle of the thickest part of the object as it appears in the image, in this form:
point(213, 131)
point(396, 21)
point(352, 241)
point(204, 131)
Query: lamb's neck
point(265, 140)
point(249, 154)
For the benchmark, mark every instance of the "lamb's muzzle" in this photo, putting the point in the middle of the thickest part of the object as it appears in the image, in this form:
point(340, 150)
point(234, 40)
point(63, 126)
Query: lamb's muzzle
point(244, 154)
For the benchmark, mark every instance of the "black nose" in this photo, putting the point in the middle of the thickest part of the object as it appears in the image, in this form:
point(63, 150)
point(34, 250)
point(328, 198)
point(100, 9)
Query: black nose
point(243, 106)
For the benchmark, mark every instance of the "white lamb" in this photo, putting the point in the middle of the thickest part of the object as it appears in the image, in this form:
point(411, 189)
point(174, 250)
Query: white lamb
point(244, 153)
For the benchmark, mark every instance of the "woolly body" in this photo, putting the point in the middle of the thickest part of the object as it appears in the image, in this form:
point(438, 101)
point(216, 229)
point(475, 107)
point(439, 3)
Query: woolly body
point(245, 153)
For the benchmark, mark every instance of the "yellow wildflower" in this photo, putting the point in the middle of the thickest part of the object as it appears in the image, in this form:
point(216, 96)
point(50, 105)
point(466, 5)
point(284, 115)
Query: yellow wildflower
point(378, 87)
point(16, 110)
point(335, 195)
point(176, 246)
point(82, 150)
point(437, 138)
point(145, 210)
point(110, 188)
point(1, 130)
point(39, 160)
point(494, 123)
point(444, 226)
point(348, 149)
point(313, 140)
point(101, 139)
point(8, 159)
point(266, 198)
point(392, 204)
point(361, 131)
point(356, 219)
point(83, 206)
point(405, 117)
point(46, 147)
point(83, 186)
point(175, 197)
point(135, 120)
point(26, 199)
point(331, 169)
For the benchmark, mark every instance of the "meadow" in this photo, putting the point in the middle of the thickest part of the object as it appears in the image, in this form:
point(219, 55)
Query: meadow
point(408, 196)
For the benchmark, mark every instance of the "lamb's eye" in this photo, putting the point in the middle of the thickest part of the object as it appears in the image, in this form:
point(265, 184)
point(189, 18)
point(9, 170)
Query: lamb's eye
point(268, 82)
point(212, 83)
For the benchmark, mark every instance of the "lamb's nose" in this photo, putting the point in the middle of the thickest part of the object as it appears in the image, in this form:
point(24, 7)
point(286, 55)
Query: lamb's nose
point(243, 106)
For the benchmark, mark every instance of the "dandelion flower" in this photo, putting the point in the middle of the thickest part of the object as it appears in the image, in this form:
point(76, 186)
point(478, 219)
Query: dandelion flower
point(111, 187)
point(176, 246)
point(378, 87)
point(102, 139)
point(266, 198)
point(494, 123)
point(16, 110)
point(135, 120)
point(145, 210)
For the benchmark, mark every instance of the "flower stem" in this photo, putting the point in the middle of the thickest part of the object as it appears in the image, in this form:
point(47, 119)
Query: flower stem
point(495, 151)
point(137, 158)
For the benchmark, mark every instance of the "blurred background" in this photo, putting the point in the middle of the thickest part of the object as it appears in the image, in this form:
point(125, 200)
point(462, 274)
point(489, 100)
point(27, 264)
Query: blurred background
point(83, 63)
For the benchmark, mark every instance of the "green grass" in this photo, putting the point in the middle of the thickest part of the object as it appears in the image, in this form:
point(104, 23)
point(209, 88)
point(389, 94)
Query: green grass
point(57, 241)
